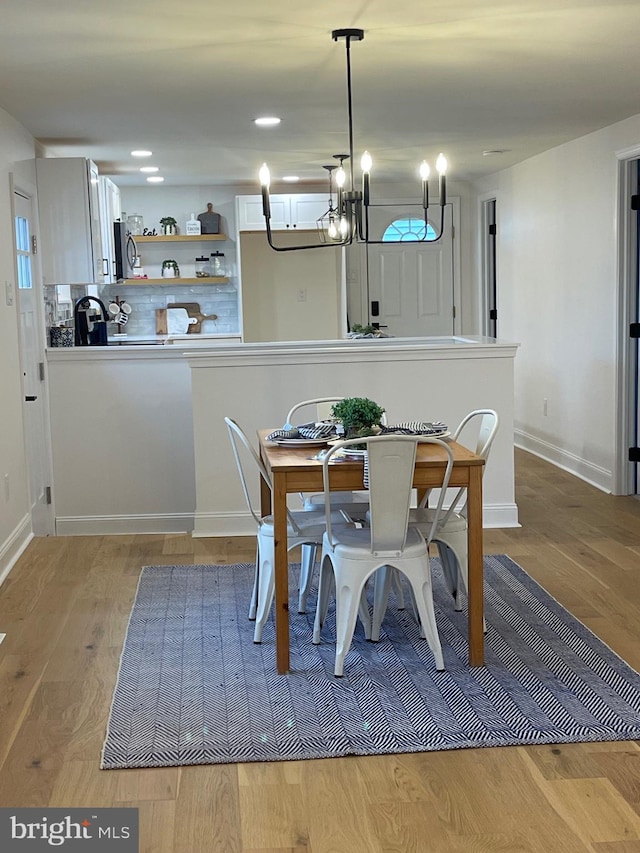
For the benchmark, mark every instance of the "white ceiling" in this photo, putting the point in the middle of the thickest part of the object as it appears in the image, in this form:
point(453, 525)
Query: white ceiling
point(187, 78)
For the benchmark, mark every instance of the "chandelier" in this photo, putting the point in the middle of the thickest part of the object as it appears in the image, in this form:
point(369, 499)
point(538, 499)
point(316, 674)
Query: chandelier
point(348, 220)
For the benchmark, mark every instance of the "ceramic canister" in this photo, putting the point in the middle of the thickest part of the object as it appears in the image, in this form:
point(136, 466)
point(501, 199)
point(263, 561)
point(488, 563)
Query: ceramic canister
point(61, 336)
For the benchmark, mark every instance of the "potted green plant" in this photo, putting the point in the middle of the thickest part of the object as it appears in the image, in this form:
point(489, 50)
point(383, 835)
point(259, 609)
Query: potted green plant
point(170, 269)
point(359, 416)
point(168, 225)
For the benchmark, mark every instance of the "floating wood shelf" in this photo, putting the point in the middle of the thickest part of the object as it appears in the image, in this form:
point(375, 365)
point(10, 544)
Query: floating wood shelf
point(203, 280)
point(178, 238)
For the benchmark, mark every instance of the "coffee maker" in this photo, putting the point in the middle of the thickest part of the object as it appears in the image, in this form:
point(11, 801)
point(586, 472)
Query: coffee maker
point(90, 327)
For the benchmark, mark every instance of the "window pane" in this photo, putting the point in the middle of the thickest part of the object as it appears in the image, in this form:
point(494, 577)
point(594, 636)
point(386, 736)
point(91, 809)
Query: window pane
point(22, 234)
point(407, 230)
point(24, 272)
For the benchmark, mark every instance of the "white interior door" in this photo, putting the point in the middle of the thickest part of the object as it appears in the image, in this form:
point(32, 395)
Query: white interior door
point(411, 284)
point(32, 363)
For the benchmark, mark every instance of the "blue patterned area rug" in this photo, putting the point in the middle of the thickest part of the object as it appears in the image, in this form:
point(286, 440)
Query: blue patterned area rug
point(194, 689)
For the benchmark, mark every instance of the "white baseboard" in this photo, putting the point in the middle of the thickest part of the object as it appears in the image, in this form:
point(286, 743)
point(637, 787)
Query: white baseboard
point(14, 546)
point(582, 468)
point(223, 524)
point(242, 524)
point(113, 525)
point(500, 515)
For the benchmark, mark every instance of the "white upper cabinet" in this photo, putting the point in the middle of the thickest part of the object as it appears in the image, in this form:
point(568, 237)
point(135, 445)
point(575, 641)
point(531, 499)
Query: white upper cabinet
point(109, 212)
point(287, 212)
point(69, 214)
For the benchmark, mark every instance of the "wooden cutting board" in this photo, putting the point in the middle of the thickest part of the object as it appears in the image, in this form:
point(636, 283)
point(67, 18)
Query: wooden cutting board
point(172, 321)
point(193, 310)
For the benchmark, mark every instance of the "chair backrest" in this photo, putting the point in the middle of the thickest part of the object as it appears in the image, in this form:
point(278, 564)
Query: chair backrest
point(391, 463)
point(487, 422)
point(322, 411)
point(322, 408)
point(488, 426)
point(237, 437)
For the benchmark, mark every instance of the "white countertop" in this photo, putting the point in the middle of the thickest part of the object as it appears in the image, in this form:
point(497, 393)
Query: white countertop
point(203, 351)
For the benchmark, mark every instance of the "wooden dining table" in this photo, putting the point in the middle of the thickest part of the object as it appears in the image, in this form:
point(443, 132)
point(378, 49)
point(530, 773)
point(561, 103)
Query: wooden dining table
point(296, 469)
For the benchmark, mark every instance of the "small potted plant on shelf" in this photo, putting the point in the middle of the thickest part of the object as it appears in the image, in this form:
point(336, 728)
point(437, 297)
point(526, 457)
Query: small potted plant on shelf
point(169, 225)
point(359, 416)
point(170, 269)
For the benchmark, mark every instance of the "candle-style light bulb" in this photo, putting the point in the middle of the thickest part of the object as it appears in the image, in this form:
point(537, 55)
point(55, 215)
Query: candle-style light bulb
point(424, 174)
point(265, 180)
point(441, 166)
point(344, 227)
point(264, 175)
point(341, 177)
point(365, 164)
point(332, 231)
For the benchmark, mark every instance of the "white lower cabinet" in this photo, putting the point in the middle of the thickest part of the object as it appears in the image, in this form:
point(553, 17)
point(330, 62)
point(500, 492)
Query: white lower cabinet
point(299, 211)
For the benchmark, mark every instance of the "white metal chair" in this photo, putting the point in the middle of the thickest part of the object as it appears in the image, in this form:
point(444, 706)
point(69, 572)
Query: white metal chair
point(450, 536)
point(352, 555)
point(355, 501)
point(354, 504)
point(304, 528)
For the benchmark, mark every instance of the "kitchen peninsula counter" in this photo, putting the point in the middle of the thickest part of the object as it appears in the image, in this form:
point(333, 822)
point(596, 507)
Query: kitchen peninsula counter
point(139, 444)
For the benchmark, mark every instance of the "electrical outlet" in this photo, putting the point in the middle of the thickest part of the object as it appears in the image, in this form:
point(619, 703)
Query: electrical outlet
point(544, 406)
point(7, 490)
point(302, 295)
point(8, 290)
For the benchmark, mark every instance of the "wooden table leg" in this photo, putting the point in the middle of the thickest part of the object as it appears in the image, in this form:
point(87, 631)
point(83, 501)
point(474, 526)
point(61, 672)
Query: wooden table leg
point(476, 570)
point(281, 570)
point(265, 499)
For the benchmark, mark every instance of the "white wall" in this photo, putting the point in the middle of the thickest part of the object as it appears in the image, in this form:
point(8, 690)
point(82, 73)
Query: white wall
point(557, 296)
point(289, 296)
point(15, 524)
point(413, 378)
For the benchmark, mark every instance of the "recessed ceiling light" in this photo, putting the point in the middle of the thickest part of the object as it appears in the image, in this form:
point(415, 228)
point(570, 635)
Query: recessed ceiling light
point(155, 179)
point(140, 152)
point(267, 121)
point(150, 169)
point(290, 179)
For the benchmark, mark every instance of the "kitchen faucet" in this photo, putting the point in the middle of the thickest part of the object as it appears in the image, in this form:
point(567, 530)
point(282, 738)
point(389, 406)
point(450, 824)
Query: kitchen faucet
point(89, 331)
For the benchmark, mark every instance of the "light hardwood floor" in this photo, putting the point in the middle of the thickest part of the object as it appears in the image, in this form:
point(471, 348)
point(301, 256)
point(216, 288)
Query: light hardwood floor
point(65, 607)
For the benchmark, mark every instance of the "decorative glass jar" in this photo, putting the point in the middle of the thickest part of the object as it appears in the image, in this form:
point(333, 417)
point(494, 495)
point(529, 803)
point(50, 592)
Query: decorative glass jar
point(135, 224)
point(203, 267)
point(218, 267)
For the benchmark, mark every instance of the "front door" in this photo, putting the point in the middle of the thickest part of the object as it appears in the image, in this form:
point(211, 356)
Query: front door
point(32, 363)
point(411, 284)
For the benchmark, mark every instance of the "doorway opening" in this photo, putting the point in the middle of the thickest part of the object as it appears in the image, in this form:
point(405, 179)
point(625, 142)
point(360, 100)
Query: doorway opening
point(30, 308)
point(627, 473)
point(489, 282)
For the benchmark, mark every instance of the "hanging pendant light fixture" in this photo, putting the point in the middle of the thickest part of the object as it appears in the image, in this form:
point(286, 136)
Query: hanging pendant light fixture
point(332, 225)
point(348, 221)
